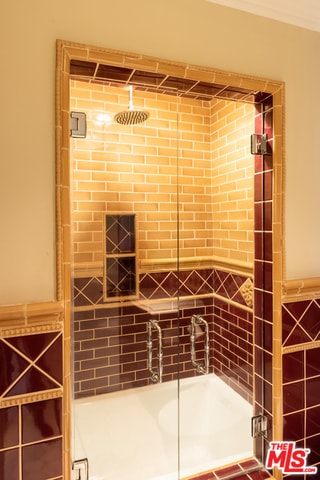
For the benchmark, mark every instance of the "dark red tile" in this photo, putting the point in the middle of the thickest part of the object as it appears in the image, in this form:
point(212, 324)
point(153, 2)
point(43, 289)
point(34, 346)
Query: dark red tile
point(42, 460)
point(32, 345)
point(12, 366)
point(267, 185)
point(293, 426)
point(297, 309)
point(9, 464)
point(258, 187)
point(267, 246)
point(258, 361)
point(312, 362)
point(293, 397)
point(267, 396)
point(41, 420)
point(267, 366)
point(263, 275)
point(312, 391)
point(9, 427)
point(227, 471)
point(310, 320)
point(32, 381)
point(268, 121)
point(296, 336)
point(258, 216)
point(94, 290)
point(251, 463)
point(267, 306)
point(267, 216)
point(259, 245)
point(312, 421)
point(258, 305)
point(51, 361)
point(293, 366)
point(79, 67)
point(314, 457)
point(258, 164)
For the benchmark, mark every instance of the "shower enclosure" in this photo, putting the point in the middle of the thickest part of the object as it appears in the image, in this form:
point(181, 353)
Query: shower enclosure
point(163, 254)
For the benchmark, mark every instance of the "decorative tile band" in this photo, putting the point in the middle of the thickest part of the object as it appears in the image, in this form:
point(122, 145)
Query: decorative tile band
point(31, 330)
point(31, 398)
point(88, 291)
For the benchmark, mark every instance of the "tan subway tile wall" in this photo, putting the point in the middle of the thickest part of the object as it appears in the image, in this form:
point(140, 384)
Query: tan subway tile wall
point(134, 169)
point(232, 124)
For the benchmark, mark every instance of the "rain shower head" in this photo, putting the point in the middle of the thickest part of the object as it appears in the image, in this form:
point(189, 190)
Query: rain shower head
point(131, 116)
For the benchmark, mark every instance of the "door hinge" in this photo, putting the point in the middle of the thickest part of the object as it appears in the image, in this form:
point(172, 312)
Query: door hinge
point(259, 426)
point(259, 144)
point(80, 470)
point(78, 125)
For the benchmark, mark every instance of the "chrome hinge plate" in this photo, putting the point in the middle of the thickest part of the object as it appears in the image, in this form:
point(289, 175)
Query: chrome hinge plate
point(259, 426)
point(259, 144)
point(78, 125)
point(80, 470)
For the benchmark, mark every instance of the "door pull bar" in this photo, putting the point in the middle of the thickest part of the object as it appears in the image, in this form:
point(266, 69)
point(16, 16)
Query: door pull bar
point(156, 375)
point(198, 320)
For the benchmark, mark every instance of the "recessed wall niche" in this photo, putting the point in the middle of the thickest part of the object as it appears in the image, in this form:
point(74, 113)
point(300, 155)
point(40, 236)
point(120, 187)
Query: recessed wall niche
point(120, 266)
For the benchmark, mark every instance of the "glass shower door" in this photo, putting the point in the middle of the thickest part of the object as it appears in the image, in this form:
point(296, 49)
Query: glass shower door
point(216, 254)
point(125, 286)
point(162, 320)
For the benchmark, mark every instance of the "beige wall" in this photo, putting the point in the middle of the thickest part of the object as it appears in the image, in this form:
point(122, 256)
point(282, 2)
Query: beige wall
point(193, 31)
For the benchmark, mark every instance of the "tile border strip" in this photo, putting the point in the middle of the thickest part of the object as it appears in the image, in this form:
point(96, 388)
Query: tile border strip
point(31, 398)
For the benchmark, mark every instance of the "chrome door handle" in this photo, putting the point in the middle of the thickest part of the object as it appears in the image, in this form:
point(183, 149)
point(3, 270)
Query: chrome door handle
point(156, 375)
point(197, 320)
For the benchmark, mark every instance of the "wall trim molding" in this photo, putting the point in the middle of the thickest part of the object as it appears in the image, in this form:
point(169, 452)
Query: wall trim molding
point(300, 289)
point(25, 319)
point(164, 264)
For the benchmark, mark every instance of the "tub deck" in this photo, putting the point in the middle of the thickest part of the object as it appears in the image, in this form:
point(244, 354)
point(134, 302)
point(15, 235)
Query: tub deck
point(134, 434)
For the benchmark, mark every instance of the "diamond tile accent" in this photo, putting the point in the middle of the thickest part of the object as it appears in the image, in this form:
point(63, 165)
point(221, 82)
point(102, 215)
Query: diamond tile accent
point(301, 322)
point(120, 233)
point(234, 287)
point(120, 276)
point(33, 363)
point(88, 291)
point(159, 285)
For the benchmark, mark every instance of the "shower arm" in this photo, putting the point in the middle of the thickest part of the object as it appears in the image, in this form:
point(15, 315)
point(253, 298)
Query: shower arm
point(130, 105)
point(198, 320)
point(156, 375)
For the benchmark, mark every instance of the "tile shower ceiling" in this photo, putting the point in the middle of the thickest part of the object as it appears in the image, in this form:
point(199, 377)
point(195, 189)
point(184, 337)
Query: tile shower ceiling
point(159, 83)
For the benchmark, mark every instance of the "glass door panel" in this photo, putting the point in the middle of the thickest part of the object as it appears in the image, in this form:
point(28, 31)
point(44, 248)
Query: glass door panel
point(162, 228)
point(216, 284)
point(125, 286)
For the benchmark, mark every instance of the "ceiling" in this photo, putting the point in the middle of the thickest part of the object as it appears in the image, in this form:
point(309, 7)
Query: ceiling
point(302, 13)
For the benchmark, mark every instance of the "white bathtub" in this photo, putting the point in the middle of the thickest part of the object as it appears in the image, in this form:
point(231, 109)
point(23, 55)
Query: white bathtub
point(132, 435)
